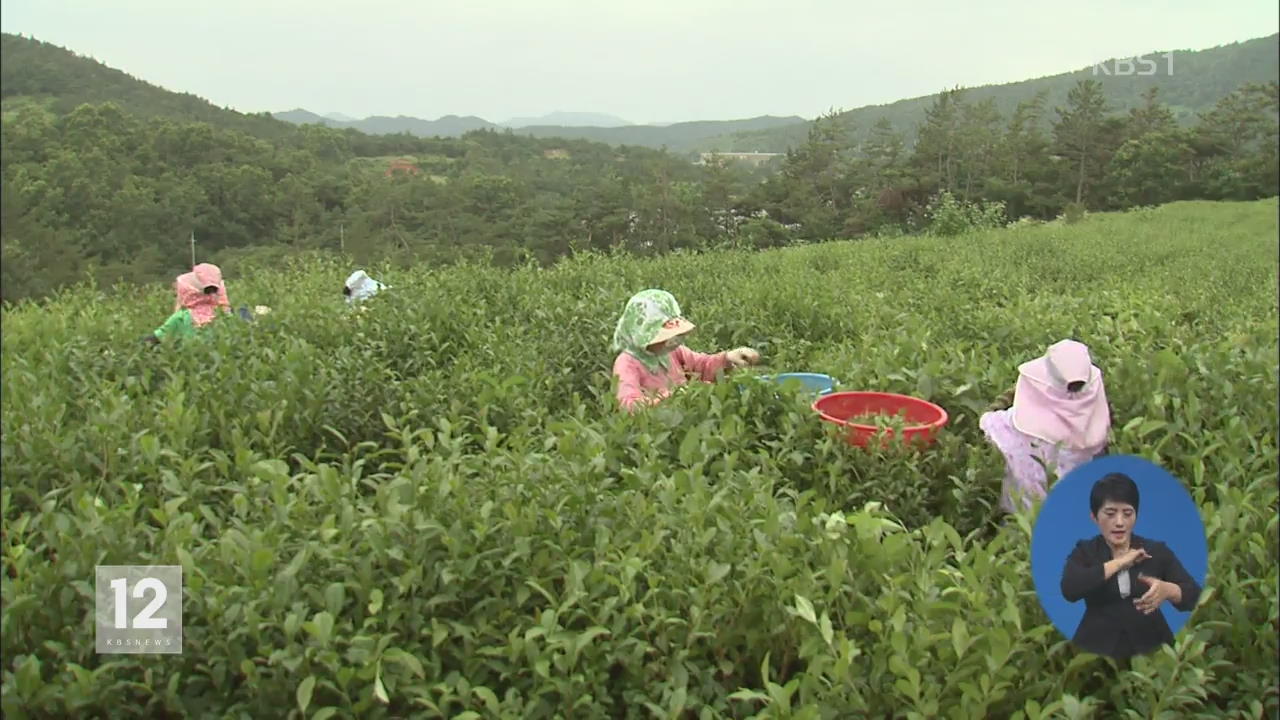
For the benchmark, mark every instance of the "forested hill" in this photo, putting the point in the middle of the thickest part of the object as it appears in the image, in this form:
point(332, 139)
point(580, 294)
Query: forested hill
point(1190, 82)
point(32, 71)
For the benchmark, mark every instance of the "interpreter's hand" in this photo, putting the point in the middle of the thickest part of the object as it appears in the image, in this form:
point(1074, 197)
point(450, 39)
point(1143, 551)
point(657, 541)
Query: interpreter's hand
point(1157, 592)
point(742, 357)
point(1132, 557)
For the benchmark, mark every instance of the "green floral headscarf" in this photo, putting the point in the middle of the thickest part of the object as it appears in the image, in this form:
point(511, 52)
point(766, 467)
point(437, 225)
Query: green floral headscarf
point(643, 317)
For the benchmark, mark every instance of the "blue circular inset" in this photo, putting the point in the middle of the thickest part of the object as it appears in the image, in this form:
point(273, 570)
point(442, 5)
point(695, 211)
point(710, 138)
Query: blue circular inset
point(1166, 514)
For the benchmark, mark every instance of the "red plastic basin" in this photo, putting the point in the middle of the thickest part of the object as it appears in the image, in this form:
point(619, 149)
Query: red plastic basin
point(923, 418)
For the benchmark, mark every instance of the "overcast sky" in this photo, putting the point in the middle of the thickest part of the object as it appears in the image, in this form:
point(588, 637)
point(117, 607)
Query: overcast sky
point(643, 60)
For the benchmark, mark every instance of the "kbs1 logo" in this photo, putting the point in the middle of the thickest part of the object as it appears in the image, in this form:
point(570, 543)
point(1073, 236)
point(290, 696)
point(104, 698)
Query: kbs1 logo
point(1136, 66)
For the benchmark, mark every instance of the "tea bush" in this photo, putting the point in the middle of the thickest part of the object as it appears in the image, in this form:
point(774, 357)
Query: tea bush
point(432, 509)
point(949, 216)
point(1073, 213)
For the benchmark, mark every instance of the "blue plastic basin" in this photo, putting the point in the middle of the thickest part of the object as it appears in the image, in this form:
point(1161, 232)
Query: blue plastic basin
point(816, 382)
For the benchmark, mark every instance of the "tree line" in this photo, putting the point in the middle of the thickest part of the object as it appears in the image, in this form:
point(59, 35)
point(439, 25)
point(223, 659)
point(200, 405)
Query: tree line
point(102, 195)
point(1036, 162)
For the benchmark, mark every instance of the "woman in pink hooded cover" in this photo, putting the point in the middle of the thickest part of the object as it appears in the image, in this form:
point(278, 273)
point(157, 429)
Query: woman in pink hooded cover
point(193, 291)
point(1060, 417)
point(201, 297)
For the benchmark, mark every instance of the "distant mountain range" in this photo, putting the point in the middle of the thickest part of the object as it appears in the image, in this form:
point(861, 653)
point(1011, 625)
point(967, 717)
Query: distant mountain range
point(1190, 83)
point(449, 122)
point(680, 137)
point(569, 119)
point(447, 126)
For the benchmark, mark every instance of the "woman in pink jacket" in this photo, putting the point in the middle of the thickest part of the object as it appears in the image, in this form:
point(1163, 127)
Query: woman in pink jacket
point(652, 359)
point(1060, 417)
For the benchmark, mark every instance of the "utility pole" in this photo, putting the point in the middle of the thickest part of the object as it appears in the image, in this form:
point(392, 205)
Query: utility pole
point(193, 248)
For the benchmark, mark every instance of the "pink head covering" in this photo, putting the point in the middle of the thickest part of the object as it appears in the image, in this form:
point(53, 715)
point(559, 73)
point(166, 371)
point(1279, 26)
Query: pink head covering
point(1044, 408)
point(190, 290)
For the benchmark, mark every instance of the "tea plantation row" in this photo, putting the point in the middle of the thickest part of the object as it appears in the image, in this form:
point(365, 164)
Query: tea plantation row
point(432, 509)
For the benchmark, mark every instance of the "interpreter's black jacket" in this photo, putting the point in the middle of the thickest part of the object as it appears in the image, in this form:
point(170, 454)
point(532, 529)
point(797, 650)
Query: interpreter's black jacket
point(1111, 625)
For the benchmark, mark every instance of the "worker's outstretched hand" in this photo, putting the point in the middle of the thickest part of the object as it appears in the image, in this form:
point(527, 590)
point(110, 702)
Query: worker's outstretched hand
point(742, 357)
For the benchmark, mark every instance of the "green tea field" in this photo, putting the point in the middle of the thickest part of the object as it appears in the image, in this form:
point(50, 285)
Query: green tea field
point(432, 509)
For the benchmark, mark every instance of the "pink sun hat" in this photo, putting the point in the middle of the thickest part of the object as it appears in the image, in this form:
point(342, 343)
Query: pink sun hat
point(1060, 398)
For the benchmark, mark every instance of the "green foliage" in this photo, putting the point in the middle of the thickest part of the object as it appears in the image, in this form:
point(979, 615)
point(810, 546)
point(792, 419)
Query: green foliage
point(761, 233)
point(948, 216)
point(433, 508)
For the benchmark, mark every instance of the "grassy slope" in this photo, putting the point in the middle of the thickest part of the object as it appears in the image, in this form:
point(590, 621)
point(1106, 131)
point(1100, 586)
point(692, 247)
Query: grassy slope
point(569, 489)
